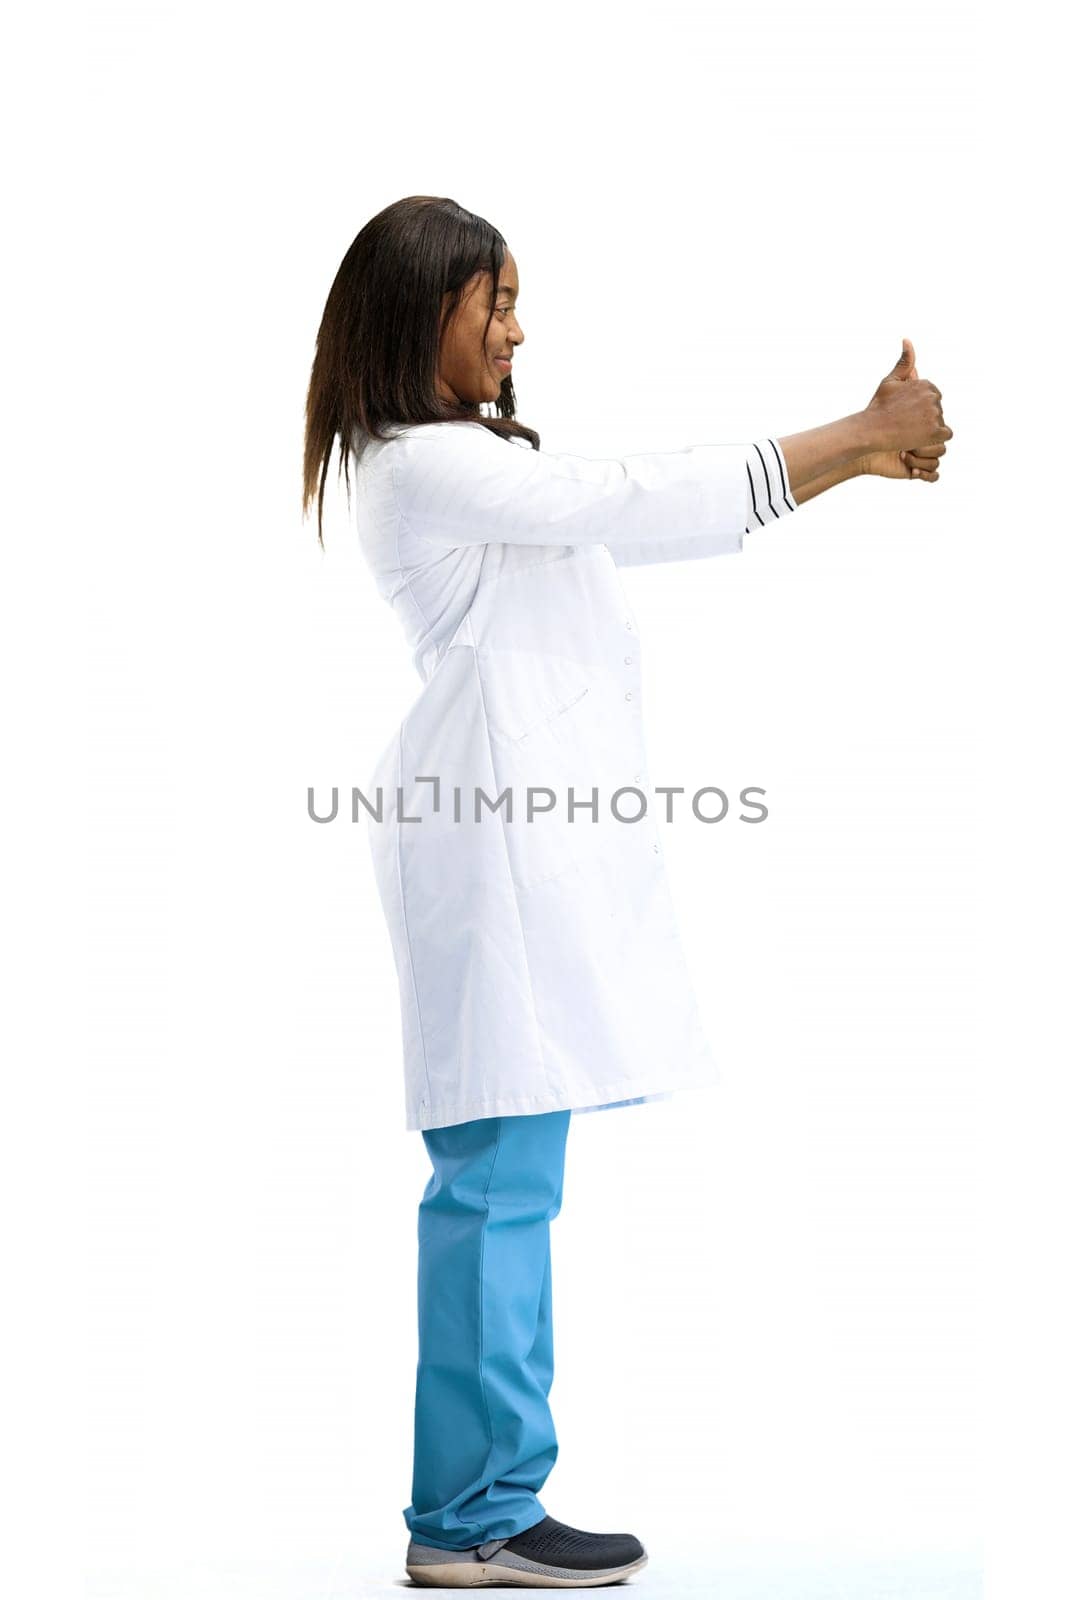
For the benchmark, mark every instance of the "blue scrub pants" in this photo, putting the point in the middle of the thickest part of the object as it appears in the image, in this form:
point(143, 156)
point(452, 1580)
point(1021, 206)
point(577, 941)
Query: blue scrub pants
point(484, 1437)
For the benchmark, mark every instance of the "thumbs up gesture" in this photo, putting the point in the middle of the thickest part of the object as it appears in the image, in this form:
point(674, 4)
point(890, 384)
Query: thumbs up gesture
point(905, 412)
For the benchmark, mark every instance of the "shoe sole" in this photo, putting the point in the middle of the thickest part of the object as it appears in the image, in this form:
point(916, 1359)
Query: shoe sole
point(515, 1571)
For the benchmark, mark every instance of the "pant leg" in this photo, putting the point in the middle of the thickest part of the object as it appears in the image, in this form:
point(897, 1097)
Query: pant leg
point(484, 1437)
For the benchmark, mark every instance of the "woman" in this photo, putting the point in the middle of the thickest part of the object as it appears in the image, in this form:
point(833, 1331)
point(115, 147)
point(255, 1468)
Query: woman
point(519, 867)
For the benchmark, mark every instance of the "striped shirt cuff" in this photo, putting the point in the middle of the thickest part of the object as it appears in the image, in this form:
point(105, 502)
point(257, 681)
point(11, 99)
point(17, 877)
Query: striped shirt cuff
point(768, 485)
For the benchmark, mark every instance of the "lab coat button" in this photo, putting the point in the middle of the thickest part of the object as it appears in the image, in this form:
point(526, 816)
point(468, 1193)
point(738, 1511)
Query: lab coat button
point(656, 848)
point(629, 624)
point(629, 696)
point(627, 659)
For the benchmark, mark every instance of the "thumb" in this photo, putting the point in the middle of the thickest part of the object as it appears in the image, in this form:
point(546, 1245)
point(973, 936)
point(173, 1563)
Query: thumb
point(905, 367)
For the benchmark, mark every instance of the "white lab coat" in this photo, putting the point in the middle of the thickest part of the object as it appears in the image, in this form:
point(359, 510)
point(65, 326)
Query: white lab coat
point(539, 961)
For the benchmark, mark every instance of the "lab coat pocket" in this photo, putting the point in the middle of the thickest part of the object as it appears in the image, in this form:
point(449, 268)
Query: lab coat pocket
point(523, 690)
point(533, 723)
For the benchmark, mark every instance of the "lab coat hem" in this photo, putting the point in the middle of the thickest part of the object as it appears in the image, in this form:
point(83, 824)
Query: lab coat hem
point(607, 1096)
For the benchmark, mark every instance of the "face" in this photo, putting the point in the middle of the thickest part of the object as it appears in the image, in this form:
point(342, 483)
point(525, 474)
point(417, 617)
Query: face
point(465, 370)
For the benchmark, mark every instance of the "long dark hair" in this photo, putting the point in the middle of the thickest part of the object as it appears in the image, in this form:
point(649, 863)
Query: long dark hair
point(376, 350)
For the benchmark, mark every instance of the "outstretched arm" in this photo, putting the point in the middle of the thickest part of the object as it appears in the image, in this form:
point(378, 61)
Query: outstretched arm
point(456, 483)
point(459, 484)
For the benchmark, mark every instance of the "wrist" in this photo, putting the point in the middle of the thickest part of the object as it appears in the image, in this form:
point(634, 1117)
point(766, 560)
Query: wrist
point(830, 449)
point(862, 436)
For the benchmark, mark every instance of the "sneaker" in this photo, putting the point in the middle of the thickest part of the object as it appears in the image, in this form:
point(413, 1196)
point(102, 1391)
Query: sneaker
point(547, 1556)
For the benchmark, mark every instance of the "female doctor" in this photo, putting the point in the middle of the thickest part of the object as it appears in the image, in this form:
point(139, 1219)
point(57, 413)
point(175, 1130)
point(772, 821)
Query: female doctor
point(520, 870)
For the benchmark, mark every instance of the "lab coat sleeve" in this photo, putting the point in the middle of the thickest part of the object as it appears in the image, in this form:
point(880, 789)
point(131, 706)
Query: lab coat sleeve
point(769, 499)
point(459, 484)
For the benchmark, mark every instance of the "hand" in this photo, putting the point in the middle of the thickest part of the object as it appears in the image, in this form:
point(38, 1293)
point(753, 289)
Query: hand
point(904, 463)
point(905, 415)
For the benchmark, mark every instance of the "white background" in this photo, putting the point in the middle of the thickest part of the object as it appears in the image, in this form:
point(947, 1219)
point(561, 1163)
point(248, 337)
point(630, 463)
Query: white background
point(773, 1298)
